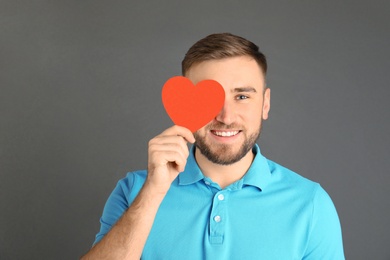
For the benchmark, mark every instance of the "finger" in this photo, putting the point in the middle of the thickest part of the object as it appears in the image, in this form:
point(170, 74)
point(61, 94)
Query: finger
point(180, 131)
point(177, 141)
point(161, 148)
point(162, 157)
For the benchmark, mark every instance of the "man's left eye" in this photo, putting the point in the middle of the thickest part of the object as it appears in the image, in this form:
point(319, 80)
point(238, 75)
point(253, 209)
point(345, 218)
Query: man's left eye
point(242, 97)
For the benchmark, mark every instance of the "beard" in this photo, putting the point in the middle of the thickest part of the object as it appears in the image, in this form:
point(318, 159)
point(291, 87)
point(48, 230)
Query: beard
point(222, 153)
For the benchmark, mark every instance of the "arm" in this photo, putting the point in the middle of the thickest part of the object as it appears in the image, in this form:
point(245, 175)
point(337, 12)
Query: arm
point(167, 157)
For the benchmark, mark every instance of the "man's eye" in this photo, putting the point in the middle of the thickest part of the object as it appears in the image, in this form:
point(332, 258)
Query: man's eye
point(241, 97)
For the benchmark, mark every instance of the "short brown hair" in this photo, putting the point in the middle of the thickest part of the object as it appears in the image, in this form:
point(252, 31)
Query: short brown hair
point(222, 45)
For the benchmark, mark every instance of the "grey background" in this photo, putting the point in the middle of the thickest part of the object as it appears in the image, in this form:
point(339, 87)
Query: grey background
point(80, 98)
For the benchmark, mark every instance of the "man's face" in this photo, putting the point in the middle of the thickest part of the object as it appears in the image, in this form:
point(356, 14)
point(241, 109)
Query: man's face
point(233, 132)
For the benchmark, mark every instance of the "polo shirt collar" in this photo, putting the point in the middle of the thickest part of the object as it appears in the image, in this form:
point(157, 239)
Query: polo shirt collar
point(258, 174)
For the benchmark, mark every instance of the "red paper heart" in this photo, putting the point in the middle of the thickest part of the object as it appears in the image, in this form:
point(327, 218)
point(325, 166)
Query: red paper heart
point(192, 106)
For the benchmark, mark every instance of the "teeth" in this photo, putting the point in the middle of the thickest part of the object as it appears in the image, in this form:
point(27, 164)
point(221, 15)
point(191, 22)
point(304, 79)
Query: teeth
point(231, 133)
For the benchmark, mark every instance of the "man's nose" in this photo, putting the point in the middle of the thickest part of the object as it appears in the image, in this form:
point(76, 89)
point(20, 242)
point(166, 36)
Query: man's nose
point(227, 114)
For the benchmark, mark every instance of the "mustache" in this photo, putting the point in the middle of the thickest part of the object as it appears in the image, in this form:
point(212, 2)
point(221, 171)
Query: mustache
point(222, 126)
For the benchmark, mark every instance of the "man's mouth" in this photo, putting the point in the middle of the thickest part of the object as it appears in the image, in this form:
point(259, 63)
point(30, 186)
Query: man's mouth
point(225, 133)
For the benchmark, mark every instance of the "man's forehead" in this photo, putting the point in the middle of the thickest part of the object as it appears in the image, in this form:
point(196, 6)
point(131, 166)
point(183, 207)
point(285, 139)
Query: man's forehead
point(238, 72)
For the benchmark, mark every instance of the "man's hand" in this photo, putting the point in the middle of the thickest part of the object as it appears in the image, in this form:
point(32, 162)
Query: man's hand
point(168, 154)
point(167, 157)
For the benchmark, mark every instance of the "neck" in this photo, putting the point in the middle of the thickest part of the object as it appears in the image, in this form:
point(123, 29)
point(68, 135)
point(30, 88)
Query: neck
point(224, 175)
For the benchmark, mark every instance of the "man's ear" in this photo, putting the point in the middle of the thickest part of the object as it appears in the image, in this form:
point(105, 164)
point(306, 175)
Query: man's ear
point(266, 103)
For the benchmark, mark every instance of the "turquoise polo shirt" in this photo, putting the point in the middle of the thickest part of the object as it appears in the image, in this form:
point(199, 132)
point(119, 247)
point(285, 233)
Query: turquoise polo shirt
point(271, 213)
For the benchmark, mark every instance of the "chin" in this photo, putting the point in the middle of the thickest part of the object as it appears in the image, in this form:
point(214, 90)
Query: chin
point(222, 155)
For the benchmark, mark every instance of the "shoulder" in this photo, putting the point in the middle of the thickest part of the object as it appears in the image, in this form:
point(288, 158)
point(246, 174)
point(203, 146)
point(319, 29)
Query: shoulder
point(131, 184)
point(134, 178)
point(294, 185)
point(302, 188)
point(285, 176)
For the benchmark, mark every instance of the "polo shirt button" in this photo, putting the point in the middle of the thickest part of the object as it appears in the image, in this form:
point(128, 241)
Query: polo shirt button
point(221, 197)
point(217, 219)
point(207, 183)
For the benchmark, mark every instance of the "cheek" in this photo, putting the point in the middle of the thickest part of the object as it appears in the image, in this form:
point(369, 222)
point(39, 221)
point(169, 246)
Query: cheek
point(253, 115)
point(255, 124)
point(201, 132)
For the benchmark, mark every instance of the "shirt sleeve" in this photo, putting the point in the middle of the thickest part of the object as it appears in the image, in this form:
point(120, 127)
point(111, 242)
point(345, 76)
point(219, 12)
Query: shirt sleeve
point(117, 203)
point(325, 238)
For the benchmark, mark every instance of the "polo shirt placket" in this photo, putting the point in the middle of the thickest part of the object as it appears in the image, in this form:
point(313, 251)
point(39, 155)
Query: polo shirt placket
point(217, 220)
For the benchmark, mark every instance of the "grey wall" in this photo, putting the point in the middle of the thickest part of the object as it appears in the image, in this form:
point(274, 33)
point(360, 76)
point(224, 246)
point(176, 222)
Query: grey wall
point(80, 89)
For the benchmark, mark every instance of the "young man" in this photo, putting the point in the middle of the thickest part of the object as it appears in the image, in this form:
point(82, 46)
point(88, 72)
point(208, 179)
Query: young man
point(221, 199)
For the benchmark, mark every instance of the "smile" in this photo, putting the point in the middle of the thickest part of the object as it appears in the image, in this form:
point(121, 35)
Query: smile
point(225, 133)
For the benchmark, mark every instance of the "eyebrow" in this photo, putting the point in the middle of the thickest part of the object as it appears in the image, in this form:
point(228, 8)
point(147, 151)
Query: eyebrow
point(244, 89)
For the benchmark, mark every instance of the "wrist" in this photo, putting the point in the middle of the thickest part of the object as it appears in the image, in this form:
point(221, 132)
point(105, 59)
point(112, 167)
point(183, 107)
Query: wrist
point(154, 191)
